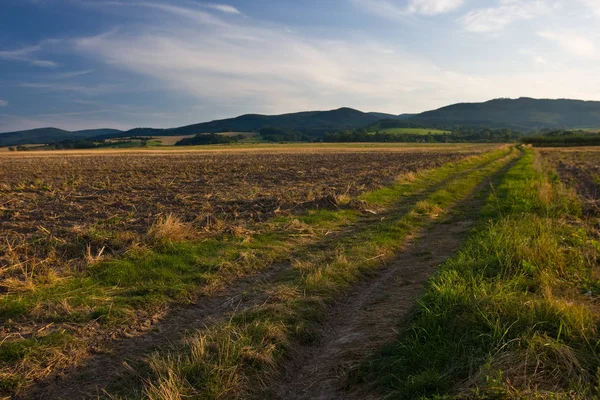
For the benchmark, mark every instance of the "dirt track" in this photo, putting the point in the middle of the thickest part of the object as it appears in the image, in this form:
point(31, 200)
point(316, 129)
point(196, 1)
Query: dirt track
point(369, 316)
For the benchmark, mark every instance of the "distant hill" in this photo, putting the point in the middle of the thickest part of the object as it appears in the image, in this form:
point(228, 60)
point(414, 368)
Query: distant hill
point(49, 135)
point(97, 132)
point(35, 136)
point(310, 122)
point(524, 114)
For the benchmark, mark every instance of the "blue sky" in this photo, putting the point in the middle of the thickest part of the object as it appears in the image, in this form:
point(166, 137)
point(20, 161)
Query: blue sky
point(78, 64)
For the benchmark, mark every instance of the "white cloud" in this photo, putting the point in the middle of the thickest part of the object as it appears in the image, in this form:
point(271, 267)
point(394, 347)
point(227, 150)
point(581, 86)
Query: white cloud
point(433, 7)
point(44, 63)
point(73, 74)
point(505, 13)
point(593, 5)
point(27, 54)
point(84, 89)
point(398, 10)
point(224, 8)
point(573, 43)
point(3, 103)
point(535, 57)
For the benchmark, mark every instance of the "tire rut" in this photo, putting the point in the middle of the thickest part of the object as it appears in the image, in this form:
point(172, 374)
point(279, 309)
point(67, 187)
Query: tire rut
point(370, 315)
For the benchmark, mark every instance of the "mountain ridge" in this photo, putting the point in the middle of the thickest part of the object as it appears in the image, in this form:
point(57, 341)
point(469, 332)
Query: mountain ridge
point(524, 114)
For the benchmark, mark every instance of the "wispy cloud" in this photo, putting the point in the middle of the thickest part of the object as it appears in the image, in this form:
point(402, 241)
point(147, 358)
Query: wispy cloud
point(576, 44)
point(433, 7)
point(394, 10)
point(72, 74)
point(44, 63)
point(85, 89)
point(27, 54)
point(534, 56)
point(496, 18)
point(3, 103)
point(223, 8)
point(593, 5)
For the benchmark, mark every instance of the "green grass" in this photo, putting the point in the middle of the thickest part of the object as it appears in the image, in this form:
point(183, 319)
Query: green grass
point(504, 318)
point(37, 350)
point(234, 358)
point(413, 131)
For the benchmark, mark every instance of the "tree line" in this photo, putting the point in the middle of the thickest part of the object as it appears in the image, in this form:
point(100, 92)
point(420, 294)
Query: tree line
point(563, 138)
point(467, 135)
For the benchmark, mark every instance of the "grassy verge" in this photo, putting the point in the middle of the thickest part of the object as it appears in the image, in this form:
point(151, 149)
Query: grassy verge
point(505, 318)
point(235, 358)
point(116, 292)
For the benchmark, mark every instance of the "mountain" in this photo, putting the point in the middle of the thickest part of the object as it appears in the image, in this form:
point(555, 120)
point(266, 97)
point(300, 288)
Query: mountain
point(311, 122)
point(524, 114)
point(405, 116)
point(97, 132)
point(49, 135)
point(35, 136)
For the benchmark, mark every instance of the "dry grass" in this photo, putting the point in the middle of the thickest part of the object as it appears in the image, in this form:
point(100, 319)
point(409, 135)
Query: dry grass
point(170, 229)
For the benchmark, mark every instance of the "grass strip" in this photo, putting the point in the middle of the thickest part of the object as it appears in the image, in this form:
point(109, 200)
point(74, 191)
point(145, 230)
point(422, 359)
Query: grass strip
point(505, 318)
point(235, 358)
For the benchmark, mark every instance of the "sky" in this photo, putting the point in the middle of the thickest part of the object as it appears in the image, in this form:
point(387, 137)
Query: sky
point(78, 64)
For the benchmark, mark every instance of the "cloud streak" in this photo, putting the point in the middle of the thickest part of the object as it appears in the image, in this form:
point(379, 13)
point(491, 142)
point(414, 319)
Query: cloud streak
point(396, 10)
point(225, 8)
point(3, 103)
point(84, 89)
point(593, 5)
point(433, 7)
point(507, 12)
point(27, 54)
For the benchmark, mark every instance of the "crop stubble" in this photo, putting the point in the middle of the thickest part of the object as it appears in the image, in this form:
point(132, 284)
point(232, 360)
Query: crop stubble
point(58, 209)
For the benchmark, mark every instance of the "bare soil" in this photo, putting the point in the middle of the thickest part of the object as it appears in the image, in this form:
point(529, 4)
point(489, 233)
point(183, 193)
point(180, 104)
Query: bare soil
point(580, 169)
